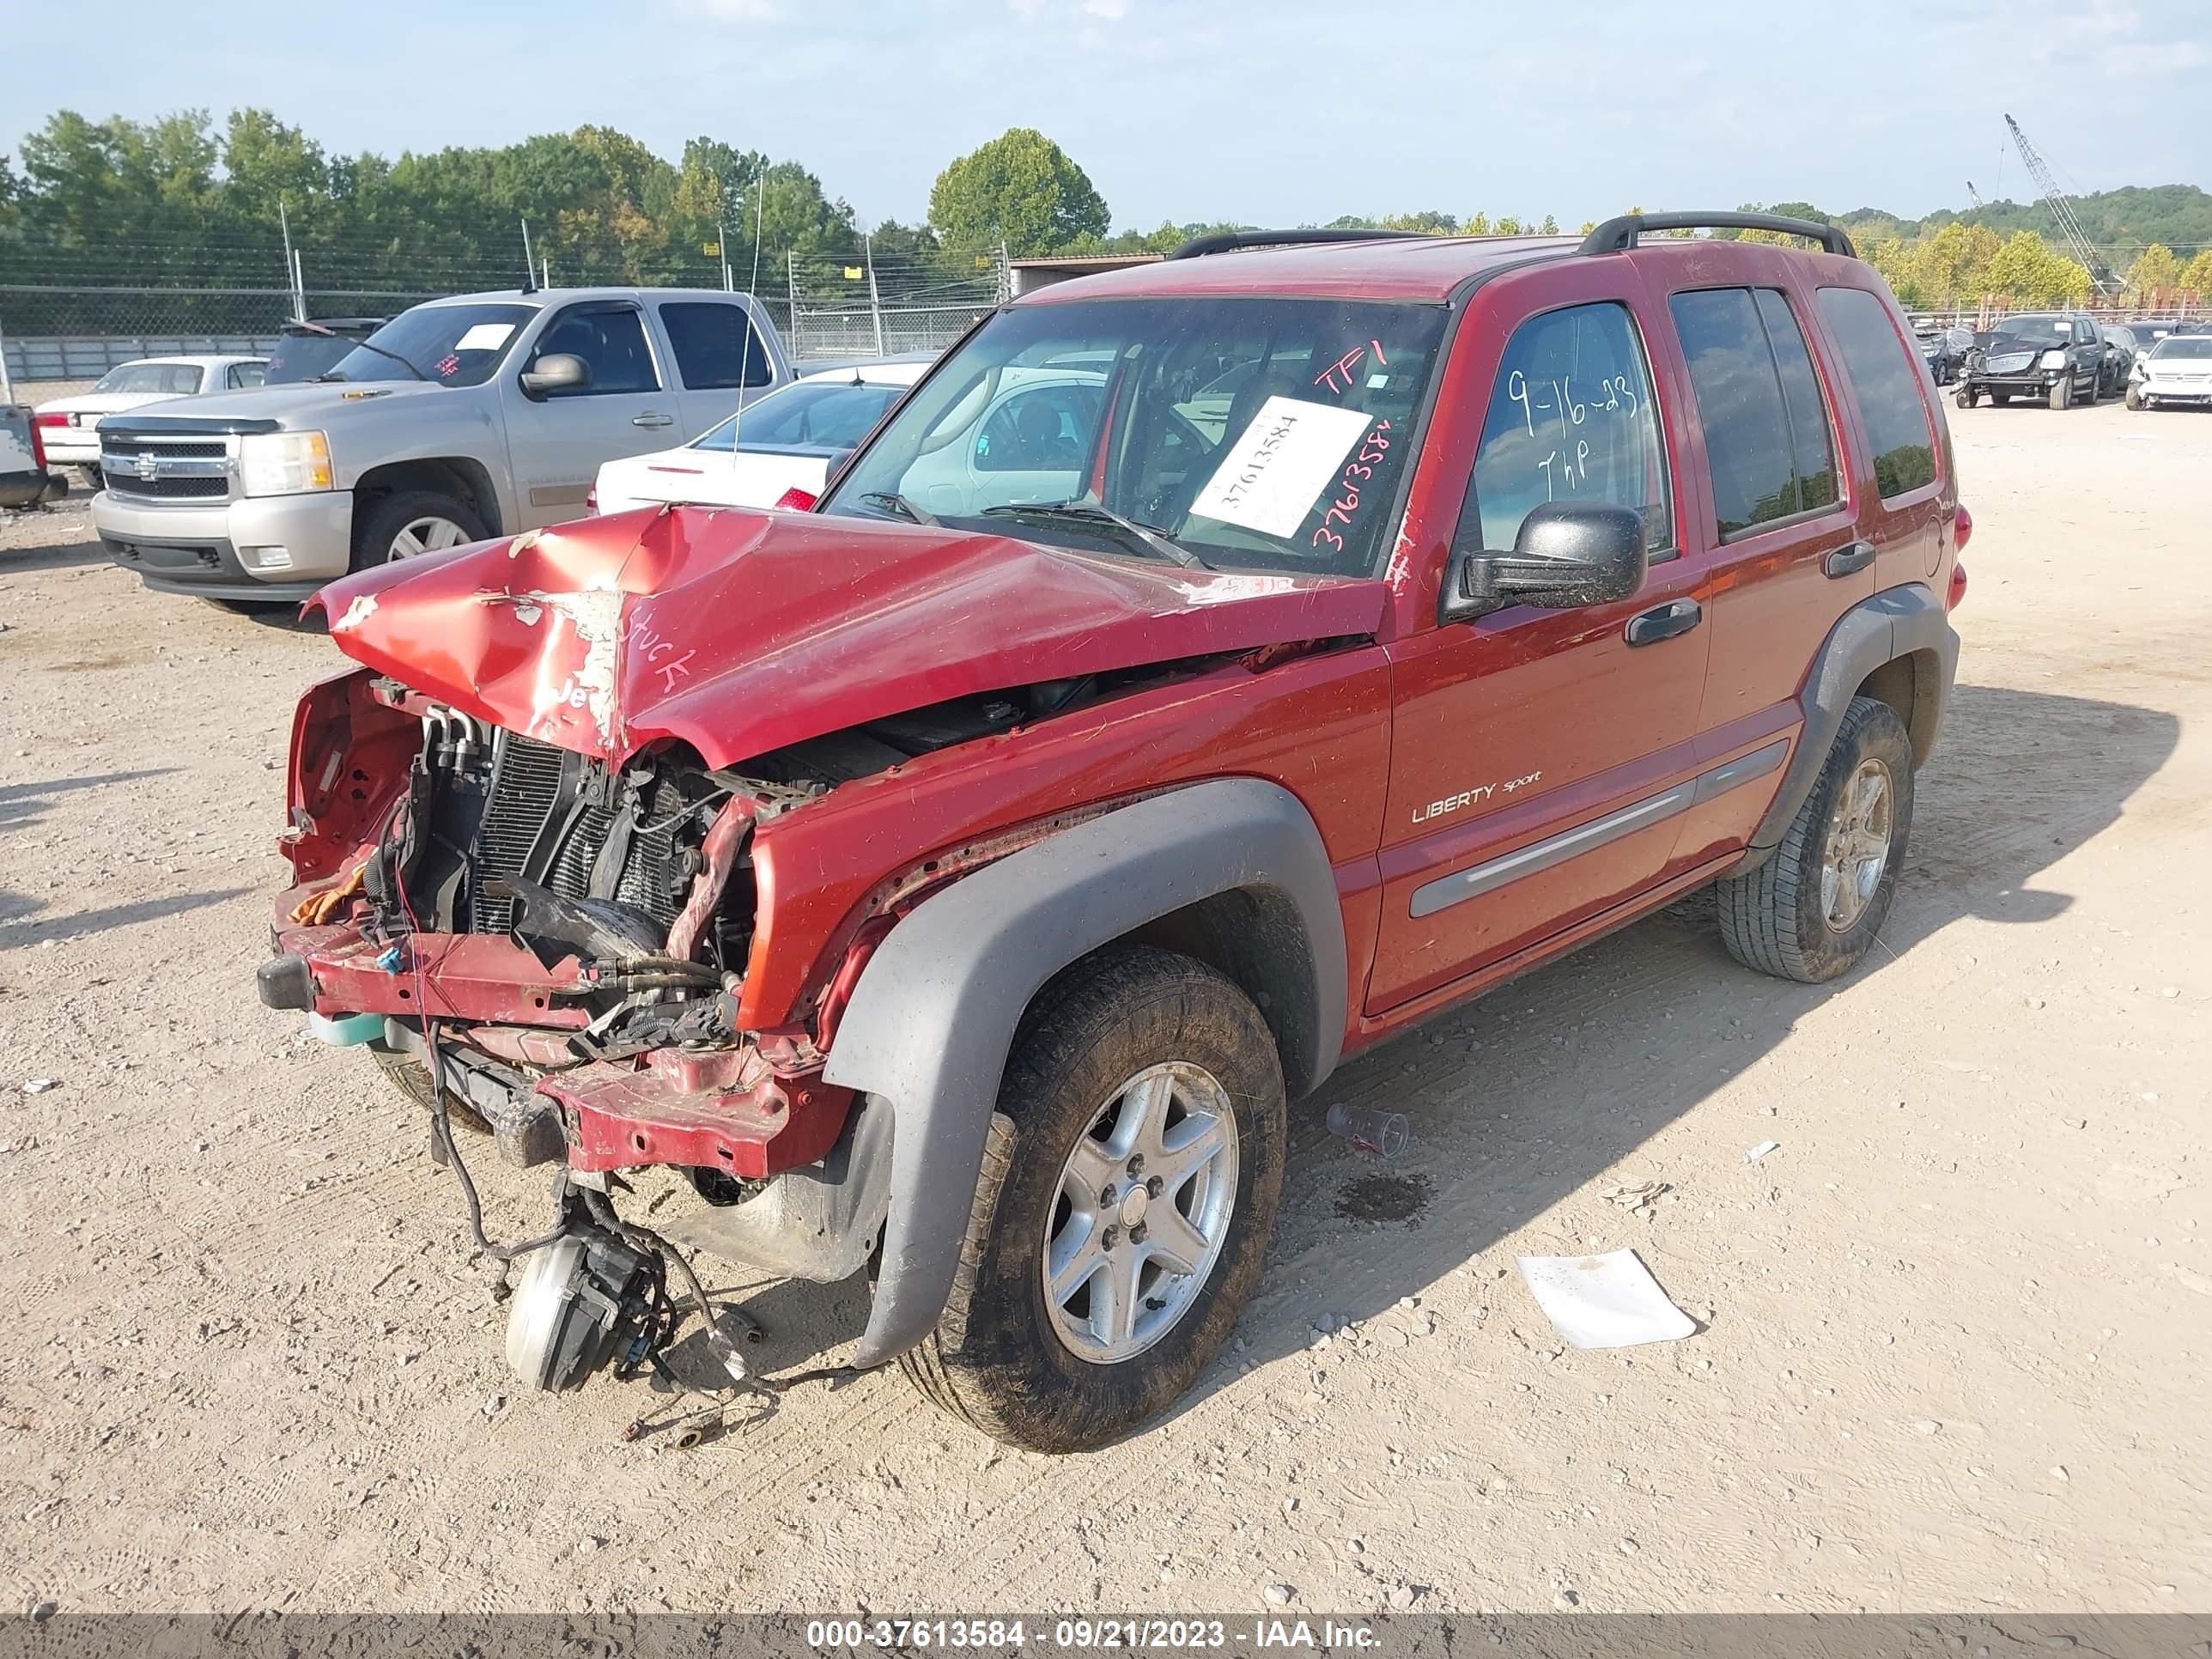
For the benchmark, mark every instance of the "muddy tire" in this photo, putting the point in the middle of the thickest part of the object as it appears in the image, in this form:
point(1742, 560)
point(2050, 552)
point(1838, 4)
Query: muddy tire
point(1963, 397)
point(410, 523)
point(2061, 394)
point(1116, 1335)
point(1812, 909)
point(2135, 398)
point(412, 1078)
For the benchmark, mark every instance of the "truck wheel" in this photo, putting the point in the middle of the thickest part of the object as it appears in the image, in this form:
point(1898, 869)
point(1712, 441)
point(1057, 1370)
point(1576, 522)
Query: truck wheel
point(1964, 398)
point(2001, 398)
point(1811, 911)
point(1128, 1188)
point(2135, 398)
point(2061, 394)
point(412, 522)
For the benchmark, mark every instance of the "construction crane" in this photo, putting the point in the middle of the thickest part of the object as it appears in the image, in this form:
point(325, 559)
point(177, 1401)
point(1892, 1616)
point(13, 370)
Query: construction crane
point(2077, 240)
point(1975, 196)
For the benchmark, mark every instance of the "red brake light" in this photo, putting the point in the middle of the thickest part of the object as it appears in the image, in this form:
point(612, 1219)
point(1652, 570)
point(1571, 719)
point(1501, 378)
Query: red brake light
point(1962, 523)
point(591, 498)
point(1957, 591)
point(38, 447)
point(795, 500)
point(49, 420)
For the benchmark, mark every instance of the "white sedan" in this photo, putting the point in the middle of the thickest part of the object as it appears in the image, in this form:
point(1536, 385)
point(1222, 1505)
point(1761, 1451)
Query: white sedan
point(67, 427)
point(2177, 370)
point(790, 440)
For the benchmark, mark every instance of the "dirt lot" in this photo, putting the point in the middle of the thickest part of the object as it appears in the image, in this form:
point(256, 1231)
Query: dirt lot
point(1954, 1329)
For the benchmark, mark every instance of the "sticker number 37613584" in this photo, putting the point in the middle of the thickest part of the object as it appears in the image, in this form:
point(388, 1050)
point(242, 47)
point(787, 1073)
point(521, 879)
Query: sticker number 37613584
point(1357, 471)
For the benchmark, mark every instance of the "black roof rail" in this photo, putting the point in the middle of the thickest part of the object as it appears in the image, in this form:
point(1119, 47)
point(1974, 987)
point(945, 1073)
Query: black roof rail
point(1619, 235)
point(1229, 241)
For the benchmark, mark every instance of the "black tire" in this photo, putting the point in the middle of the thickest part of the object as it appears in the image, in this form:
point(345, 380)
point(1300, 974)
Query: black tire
point(2135, 398)
point(1772, 918)
point(2061, 394)
point(1966, 397)
point(2001, 398)
point(375, 530)
point(995, 1360)
point(412, 1078)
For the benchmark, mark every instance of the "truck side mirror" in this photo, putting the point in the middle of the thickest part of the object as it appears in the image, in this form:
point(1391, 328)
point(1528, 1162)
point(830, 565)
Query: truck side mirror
point(1567, 554)
point(556, 371)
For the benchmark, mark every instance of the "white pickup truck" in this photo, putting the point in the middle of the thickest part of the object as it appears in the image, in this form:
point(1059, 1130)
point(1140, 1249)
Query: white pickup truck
point(476, 415)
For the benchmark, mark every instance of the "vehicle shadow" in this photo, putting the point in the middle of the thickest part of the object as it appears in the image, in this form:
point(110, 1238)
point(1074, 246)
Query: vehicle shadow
point(1531, 1094)
point(22, 922)
point(20, 804)
point(80, 546)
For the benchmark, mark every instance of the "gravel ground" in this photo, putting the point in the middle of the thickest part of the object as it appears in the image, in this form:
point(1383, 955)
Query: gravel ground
point(1953, 1331)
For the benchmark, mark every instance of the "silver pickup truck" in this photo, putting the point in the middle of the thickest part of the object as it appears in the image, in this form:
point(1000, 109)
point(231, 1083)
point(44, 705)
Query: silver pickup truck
point(472, 417)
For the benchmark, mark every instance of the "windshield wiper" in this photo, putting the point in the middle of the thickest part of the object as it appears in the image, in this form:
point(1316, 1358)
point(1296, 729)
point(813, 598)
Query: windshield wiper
point(899, 504)
point(332, 334)
point(1089, 513)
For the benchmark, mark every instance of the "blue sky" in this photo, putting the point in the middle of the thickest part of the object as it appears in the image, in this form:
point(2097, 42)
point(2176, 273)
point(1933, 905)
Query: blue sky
point(1283, 112)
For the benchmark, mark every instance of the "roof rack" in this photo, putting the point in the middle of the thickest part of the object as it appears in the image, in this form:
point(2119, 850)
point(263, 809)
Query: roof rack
point(1619, 235)
point(1229, 241)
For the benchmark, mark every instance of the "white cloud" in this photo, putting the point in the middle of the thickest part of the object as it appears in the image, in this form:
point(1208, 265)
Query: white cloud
point(2144, 58)
point(1112, 11)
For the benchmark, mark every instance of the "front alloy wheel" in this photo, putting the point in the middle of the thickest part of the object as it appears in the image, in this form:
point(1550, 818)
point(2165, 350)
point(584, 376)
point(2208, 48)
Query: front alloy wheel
point(1144, 1203)
point(1129, 1186)
point(427, 534)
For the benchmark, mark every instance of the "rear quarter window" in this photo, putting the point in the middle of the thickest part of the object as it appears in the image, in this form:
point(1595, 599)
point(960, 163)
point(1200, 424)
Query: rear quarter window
point(1886, 387)
point(716, 348)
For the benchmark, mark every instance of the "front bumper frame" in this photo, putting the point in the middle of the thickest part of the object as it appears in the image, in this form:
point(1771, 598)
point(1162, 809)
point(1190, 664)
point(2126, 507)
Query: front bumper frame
point(193, 549)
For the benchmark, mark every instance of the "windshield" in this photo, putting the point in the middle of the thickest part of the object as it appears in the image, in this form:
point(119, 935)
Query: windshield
point(1266, 434)
point(302, 357)
point(825, 416)
point(177, 380)
point(452, 345)
point(2037, 323)
point(2184, 345)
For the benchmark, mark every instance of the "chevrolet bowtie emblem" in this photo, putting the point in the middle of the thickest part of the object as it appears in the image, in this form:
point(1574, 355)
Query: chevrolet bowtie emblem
point(148, 466)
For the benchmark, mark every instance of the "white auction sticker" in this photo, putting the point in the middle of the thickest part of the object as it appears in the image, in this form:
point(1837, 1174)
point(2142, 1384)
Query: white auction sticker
point(1276, 469)
point(484, 336)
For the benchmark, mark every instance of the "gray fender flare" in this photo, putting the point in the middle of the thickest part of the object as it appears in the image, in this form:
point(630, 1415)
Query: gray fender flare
point(932, 1019)
point(1899, 622)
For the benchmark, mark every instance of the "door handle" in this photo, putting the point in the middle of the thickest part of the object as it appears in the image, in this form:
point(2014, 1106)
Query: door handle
point(1666, 622)
point(653, 420)
point(1848, 559)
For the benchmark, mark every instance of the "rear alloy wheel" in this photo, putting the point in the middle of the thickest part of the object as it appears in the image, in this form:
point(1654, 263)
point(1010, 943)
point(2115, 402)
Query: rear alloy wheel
point(410, 524)
point(1128, 1187)
point(1813, 908)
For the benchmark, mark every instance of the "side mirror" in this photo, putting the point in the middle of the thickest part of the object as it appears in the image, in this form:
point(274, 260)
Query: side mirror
point(556, 371)
point(1567, 554)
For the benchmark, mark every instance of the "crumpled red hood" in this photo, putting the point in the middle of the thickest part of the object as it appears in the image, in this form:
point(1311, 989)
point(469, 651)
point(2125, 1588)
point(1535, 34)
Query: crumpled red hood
point(737, 632)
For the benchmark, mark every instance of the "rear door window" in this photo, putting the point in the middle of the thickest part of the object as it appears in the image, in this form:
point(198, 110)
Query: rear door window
point(1766, 430)
point(1887, 388)
point(1570, 419)
point(715, 344)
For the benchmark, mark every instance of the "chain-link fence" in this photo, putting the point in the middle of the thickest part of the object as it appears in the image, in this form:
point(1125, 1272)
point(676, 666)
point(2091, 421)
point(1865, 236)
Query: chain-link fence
point(58, 338)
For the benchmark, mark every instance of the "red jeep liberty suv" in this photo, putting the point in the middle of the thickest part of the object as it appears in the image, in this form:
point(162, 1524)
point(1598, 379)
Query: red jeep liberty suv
point(1208, 670)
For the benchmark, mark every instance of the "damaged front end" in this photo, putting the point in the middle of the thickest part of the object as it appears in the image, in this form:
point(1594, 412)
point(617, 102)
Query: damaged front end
point(547, 946)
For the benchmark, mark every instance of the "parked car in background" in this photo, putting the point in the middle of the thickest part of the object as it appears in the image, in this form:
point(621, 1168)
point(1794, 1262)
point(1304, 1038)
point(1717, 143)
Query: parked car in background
point(71, 426)
point(2119, 361)
point(24, 479)
point(792, 439)
point(462, 418)
point(1944, 350)
point(306, 350)
point(2177, 370)
point(2056, 355)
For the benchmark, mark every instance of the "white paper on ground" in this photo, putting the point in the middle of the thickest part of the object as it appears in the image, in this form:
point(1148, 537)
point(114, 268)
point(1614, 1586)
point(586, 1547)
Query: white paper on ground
point(1604, 1301)
point(1275, 471)
point(484, 336)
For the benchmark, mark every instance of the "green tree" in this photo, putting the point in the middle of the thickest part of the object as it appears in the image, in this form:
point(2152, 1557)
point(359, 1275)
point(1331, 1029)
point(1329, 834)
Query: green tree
point(2155, 271)
point(1478, 226)
point(2197, 278)
point(1020, 189)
